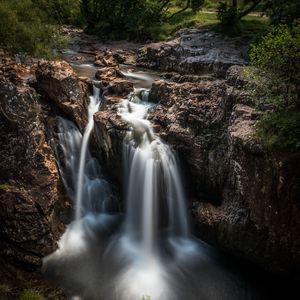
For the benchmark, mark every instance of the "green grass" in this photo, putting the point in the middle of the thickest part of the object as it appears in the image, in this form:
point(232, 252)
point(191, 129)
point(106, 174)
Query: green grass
point(211, 4)
point(5, 186)
point(249, 26)
point(184, 20)
point(31, 294)
point(5, 290)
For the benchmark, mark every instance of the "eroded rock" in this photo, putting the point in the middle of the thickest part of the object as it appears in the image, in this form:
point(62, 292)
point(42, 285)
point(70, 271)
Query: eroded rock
point(58, 82)
point(247, 196)
point(30, 195)
point(194, 51)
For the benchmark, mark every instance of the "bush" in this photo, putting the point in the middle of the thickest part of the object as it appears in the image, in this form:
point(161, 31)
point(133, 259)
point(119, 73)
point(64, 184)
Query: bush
point(61, 11)
point(227, 14)
point(121, 19)
point(274, 74)
point(31, 294)
point(283, 11)
point(23, 29)
point(5, 291)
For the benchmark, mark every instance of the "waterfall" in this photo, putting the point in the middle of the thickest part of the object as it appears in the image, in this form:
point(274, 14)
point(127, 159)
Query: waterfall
point(81, 172)
point(93, 107)
point(152, 176)
point(149, 252)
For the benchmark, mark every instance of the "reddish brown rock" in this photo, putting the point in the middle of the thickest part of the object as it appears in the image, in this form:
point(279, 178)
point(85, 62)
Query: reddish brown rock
point(58, 82)
point(105, 59)
point(194, 51)
point(114, 82)
point(30, 194)
point(247, 196)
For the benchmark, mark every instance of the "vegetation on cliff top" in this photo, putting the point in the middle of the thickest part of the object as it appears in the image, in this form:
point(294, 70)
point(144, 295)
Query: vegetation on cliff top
point(31, 27)
point(275, 77)
point(24, 29)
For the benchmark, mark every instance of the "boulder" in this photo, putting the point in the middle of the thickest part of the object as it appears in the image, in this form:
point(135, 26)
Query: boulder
point(30, 188)
point(58, 83)
point(194, 51)
point(113, 81)
point(246, 195)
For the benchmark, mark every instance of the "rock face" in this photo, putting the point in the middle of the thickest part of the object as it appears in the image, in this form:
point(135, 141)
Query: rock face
point(113, 82)
point(58, 82)
point(29, 180)
point(194, 51)
point(245, 198)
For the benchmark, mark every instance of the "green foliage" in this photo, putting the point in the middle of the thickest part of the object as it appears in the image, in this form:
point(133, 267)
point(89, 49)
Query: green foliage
point(231, 12)
point(283, 11)
point(132, 19)
point(227, 14)
point(23, 29)
point(31, 294)
point(5, 187)
point(277, 61)
point(61, 11)
point(274, 75)
point(121, 18)
point(196, 4)
point(280, 130)
point(4, 291)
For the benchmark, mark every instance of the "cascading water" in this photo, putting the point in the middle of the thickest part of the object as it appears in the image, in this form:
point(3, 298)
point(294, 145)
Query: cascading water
point(149, 253)
point(80, 171)
point(153, 177)
point(93, 107)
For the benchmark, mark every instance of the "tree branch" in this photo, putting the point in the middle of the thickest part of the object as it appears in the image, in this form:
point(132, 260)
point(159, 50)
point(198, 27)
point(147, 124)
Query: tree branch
point(188, 2)
point(249, 9)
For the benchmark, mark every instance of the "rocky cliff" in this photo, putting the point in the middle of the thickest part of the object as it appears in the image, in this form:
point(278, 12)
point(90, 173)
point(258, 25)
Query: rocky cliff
point(244, 198)
point(194, 51)
point(33, 204)
point(30, 191)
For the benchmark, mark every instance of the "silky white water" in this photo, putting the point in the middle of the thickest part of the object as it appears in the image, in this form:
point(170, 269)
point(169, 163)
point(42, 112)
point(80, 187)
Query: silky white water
point(80, 171)
point(93, 108)
point(152, 177)
point(148, 252)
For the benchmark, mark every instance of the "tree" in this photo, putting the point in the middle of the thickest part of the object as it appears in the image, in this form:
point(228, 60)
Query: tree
point(274, 75)
point(282, 11)
point(23, 29)
point(230, 13)
point(61, 11)
point(130, 18)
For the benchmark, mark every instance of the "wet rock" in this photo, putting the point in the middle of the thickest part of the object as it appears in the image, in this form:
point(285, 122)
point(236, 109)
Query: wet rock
point(105, 59)
point(235, 76)
point(109, 133)
point(194, 51)
point(247, 196)
point(58, 83)
point(114, 82)
point(30, 192)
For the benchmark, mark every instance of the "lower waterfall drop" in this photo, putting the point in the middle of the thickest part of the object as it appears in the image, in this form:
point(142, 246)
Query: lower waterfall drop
point(148, 253)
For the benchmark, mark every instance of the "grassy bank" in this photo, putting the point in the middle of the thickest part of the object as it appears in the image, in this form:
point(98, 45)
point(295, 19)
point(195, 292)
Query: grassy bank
point(249, 27)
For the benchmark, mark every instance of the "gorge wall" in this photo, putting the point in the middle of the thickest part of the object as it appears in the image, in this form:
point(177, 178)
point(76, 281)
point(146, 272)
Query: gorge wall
point(243, 197)
point(33, 206)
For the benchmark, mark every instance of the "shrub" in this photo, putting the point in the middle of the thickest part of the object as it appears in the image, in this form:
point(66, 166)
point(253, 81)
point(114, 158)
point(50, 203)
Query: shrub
point(61, 11)
point(4, 291)
point(23, 29)
point(31, 294)
point(227, 14)
point(274, 75)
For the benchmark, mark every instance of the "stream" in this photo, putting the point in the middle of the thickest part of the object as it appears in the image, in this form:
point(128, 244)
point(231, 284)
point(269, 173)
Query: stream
point(149, 251)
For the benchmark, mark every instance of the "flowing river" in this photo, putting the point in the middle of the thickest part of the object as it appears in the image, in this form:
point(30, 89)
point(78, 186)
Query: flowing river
point(147, 253)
